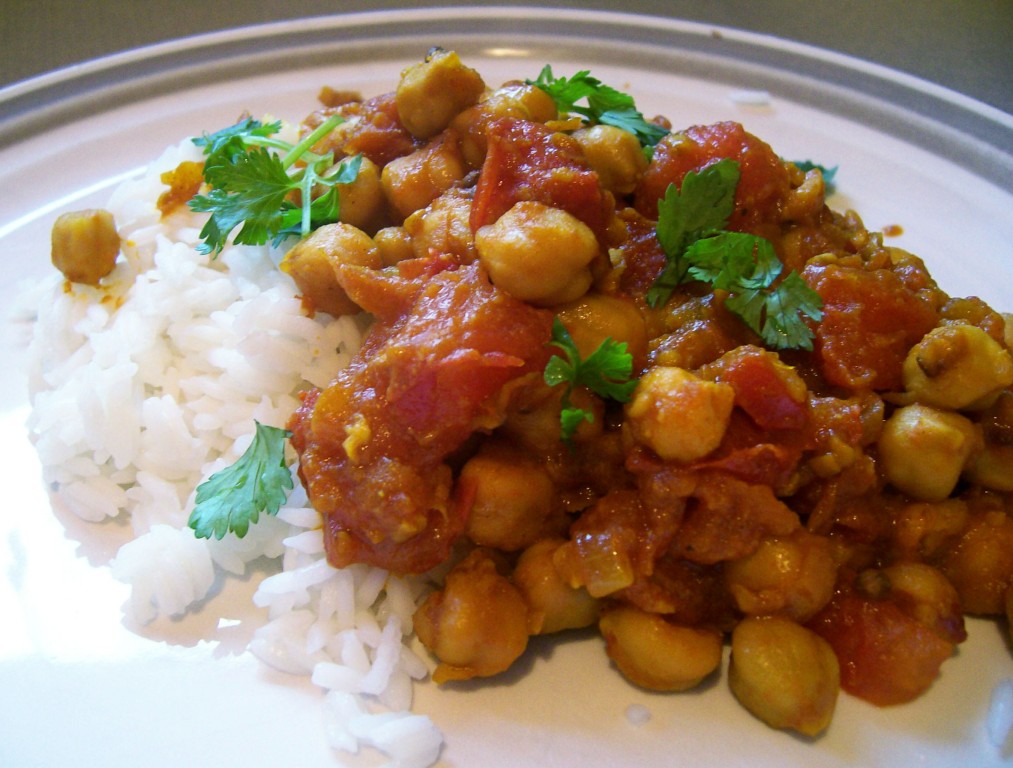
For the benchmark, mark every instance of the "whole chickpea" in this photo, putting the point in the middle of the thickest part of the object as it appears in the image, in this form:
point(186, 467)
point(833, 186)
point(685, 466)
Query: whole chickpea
point(527, 102)
point(477, 625)
point(394, 244)
point(514, 499)
point(656, 654)
point(923, 450)
point(538, 254)
point(311, 264)
point(598, 316)
point(681, 417)
point(432, 92)
point(362, 203)
point(785, 674)
point(792, 576)
point(413, 181)
point(85, 245)
point(558, 605)
point(957, 366)
point(442, 227)
point(614, 154)
point(980, 562)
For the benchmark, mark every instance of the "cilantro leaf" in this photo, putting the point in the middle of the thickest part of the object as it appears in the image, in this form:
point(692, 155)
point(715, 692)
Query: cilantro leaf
point(607, 372)
point(248, 191)
point(323, 209)
point(776, 314)
point(235, 137)
point(605, 104)
point(234, 497)
point(691, 231)
point(253, 178)
point(722, 260)
point(699, 209)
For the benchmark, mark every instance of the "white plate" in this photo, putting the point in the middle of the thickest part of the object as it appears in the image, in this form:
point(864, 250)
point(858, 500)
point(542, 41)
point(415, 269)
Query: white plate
point(80, 687)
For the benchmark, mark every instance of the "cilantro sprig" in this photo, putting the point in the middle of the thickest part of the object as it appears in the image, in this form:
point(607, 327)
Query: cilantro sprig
point(604, 104)
point(233, 498)
point(253, 177)
point(691, 231)
point(607, 372)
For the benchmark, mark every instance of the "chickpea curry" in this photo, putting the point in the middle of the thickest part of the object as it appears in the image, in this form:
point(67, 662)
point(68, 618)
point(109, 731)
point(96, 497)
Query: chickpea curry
point(793, 441)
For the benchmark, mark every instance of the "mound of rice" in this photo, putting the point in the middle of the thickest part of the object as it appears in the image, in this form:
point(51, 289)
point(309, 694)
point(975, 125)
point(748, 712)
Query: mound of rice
point(142, 389)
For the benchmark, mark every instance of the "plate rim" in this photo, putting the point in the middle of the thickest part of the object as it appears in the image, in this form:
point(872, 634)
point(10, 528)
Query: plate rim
point(945, 122)
point(184, 41)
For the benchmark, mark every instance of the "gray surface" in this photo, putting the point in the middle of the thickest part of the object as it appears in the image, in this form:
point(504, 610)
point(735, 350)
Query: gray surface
point(963, 45)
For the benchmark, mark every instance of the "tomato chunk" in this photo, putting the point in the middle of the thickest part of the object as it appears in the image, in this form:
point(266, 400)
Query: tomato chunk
point(887, 652)
point(529, 161)
point(763, 180)
point(870, 321)
point(373, 444)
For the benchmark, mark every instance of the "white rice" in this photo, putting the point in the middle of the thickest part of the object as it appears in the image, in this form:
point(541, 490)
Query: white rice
point(142, 389)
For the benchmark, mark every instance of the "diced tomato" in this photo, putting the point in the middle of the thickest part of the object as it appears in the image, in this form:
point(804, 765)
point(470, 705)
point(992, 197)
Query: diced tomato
point(643, 258)
point(886, 655)
point(371, 127)
point(763, 387)
point(727, 518)
point(870, 321)
point(763, 180)
point(372, 445)
point(530, 161)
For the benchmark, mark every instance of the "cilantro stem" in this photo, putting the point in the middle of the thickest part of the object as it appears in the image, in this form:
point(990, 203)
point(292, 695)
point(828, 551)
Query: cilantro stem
point(310, 139)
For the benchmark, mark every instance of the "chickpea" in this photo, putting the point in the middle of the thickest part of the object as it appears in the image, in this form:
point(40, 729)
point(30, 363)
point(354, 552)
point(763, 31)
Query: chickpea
point(656, 654)
point(558, 605)
point(923, 450)
point(443, 227)
point(413, 181)
point(311, 264)
point(533, 420)
point(806, 199)
point(538, 254)
point(922, 529)
point(362, 203)
point(793, 577)
point(931, 599)
point(514, 499)
point(992, 467)
point(957, 366)
point(785, 674)
point(681, 417)
point(980, 564)
point(477, 625)
point(432, 92)
point(596, 316)
point(518, 100)
point(85, 245)
point(394, 244)
point(614, 154)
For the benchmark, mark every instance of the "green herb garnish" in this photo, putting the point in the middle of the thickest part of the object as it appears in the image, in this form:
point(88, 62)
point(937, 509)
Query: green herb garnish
point(234, 497)
point(691, 231)
point(605, 104)
point(606, 372)
point(253, 176)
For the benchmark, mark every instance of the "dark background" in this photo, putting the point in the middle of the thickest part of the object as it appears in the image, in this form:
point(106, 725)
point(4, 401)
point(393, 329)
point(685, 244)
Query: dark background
point(964, 45)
